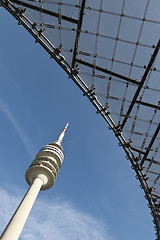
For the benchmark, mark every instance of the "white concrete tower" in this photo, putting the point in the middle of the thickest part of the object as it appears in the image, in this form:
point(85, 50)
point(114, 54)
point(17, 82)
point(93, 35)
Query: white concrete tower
point(40, 175)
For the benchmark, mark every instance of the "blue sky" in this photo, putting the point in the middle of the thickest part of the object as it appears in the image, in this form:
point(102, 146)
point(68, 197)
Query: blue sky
point(96, 195)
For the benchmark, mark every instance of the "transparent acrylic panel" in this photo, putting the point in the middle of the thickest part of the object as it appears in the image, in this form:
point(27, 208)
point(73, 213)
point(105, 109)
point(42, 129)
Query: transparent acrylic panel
point(135, 8)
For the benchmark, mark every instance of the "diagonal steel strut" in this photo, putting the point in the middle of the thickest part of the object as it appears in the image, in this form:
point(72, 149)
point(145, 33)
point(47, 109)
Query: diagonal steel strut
point(43, 10)
point(78, 32)
point(107, 71)
point(150, 144)
point(141, 83)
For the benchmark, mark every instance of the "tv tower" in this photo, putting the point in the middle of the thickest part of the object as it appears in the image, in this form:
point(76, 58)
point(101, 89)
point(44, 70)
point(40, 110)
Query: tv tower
point(40, 175)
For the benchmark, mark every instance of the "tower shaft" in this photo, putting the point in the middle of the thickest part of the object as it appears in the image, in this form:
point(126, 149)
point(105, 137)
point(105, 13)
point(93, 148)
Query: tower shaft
point(15, 226)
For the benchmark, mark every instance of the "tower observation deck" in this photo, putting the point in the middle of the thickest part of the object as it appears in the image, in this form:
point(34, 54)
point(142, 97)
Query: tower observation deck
point(40, 175)
point(47, 163)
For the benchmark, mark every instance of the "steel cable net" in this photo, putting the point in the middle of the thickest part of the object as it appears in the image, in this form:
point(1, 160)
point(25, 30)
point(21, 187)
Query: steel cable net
point(110, 48)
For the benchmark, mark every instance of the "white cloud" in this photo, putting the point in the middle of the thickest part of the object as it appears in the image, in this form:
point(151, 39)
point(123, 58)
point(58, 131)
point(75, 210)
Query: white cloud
point(53, 220)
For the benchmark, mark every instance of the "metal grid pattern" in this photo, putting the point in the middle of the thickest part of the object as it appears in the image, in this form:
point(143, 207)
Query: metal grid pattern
point(111, 51)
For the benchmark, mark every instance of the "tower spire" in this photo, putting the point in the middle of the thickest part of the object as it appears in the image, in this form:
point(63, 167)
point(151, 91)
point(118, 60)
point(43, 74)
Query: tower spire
point(61, 136)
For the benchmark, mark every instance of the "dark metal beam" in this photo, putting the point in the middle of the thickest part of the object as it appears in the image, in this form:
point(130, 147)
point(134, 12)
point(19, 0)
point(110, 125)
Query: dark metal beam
point(150, 144)
point(152, 160)
point(137, 150)
point(141, 83)
point(45, 11)
point(107, 71)
point(156, 196)
point(148, 105)
point(78, 32)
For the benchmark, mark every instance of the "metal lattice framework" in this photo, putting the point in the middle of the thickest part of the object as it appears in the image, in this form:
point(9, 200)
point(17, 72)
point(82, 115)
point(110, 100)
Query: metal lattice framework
point(111, 51)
